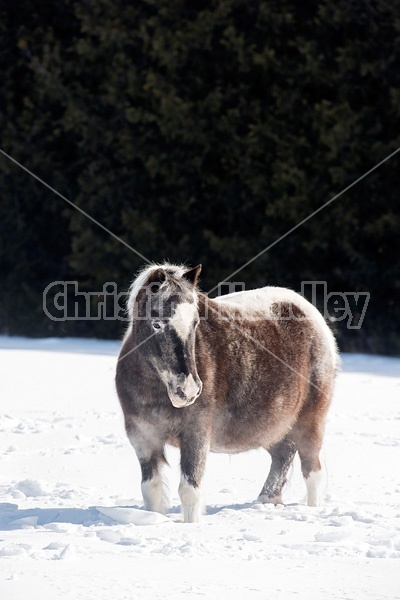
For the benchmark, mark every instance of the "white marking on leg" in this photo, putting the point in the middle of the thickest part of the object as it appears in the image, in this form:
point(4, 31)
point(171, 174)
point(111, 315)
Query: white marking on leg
point(154, 494)
point(191, 501)
point(314, 488)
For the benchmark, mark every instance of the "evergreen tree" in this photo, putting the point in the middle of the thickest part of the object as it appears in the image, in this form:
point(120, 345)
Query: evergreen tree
point(201, 132)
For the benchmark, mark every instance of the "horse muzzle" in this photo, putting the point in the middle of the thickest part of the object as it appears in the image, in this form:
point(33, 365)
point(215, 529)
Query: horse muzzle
point(185, 393)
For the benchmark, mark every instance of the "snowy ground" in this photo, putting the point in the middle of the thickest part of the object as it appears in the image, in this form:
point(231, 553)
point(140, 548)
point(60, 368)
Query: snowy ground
point(71, 522)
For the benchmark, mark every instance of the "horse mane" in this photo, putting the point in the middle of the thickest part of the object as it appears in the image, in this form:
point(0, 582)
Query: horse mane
point(173, 281)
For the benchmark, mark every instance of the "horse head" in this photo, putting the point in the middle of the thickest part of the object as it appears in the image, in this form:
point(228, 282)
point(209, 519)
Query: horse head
point(164, 312)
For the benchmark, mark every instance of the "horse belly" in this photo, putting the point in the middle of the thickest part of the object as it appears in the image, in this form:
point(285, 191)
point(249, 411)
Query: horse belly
point(232, 434)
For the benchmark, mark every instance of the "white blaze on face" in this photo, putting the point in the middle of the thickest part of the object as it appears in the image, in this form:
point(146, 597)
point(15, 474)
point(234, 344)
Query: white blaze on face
point(182, 391)
point(183, 319)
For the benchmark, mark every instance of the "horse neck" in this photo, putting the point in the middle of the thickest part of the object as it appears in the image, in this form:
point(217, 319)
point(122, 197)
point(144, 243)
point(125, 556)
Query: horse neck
point(212, 312)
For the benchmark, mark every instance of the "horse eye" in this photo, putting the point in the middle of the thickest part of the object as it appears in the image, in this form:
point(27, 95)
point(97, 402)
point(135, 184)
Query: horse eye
point(156, 325)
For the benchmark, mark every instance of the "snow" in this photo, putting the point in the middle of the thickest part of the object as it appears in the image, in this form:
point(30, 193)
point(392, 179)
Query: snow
point(71, 518)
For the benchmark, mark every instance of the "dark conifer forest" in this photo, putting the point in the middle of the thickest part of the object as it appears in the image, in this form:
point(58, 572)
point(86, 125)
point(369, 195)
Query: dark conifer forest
point(200, 132)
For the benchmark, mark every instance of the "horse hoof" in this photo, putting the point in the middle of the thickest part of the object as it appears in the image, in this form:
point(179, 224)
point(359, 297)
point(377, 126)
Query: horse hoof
point(270, 500)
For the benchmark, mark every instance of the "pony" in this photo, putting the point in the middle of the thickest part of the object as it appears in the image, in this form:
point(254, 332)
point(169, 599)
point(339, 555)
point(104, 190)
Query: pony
point(241, 371)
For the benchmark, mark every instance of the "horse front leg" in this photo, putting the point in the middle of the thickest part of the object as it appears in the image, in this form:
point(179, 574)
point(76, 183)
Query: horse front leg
point(152, 460)
point(154, 488)
point(194, 452)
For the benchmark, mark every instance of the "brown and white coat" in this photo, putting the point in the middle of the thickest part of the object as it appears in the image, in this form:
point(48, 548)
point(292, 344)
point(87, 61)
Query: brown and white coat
point(242, 371)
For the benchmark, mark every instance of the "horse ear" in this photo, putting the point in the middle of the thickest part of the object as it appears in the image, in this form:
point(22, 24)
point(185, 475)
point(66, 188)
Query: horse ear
point(193, 274)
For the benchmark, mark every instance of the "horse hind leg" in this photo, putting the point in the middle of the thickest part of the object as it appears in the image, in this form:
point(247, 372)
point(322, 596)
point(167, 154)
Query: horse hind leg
point(312, 472)
point(308, 434)
point(282, 455)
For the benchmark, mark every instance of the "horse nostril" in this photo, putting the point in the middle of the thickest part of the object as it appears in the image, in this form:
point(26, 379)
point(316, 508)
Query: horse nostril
point(181, 393)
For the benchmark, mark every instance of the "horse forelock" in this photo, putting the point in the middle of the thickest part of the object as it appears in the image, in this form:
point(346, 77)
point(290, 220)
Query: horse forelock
point(173, 285)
